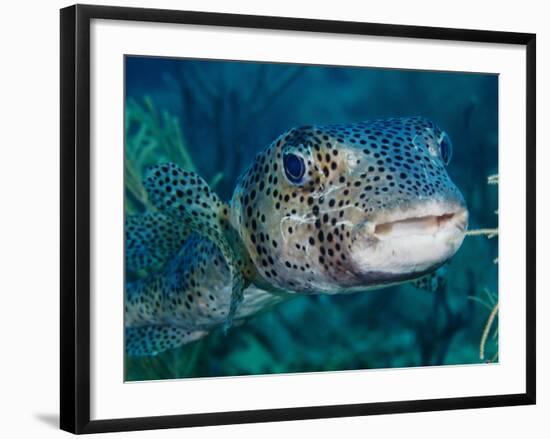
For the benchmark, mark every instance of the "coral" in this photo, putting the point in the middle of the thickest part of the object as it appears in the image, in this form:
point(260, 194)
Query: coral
point(216, 98)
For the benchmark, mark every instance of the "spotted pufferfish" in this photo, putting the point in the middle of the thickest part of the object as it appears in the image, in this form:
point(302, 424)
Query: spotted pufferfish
point(329, 209)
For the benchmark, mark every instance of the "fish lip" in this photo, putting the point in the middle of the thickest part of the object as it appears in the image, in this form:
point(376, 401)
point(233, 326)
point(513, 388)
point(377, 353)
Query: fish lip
point(404, 242)
point(430, 219)
point(423, 224)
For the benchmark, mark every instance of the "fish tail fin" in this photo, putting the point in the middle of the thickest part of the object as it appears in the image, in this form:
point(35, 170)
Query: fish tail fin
point(154, 339)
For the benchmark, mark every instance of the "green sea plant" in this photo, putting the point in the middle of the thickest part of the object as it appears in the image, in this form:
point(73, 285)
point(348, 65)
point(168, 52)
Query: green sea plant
point(217, 98)
point(152, 137)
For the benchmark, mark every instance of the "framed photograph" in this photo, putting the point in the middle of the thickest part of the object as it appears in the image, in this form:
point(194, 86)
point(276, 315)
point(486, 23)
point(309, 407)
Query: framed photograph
point(268, 218)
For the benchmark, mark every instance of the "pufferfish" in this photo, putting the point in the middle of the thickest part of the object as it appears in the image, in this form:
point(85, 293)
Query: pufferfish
point(329, 209)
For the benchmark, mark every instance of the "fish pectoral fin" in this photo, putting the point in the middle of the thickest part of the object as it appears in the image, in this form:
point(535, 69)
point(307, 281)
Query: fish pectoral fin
point(154, 339)
point(186, 197)
point(431, 282)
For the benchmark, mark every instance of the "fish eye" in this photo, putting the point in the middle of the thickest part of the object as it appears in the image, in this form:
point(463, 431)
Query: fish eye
point(446, 148)
point(295, 168)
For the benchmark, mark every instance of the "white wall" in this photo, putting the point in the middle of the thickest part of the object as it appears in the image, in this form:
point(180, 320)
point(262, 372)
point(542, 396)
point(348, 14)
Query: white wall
point(29, 236)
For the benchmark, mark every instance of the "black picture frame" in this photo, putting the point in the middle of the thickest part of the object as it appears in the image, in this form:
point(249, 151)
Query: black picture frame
point(75, 217)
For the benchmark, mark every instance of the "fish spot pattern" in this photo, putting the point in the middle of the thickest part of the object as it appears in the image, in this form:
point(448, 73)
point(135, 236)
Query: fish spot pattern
point(184, 196)
point(189, 290)
point(151, 239)
point(352, 173)
point(291, 226)
point(150, 340)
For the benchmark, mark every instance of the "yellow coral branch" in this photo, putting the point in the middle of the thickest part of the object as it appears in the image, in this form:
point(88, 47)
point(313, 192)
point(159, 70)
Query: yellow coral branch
point(486, 331)
point(490, 233)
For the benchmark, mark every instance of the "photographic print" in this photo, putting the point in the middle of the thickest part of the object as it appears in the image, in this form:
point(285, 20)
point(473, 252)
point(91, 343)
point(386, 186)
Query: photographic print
point(305, 232)
point(289, 218)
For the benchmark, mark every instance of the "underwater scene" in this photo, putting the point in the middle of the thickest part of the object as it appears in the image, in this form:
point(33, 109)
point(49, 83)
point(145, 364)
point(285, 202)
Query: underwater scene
point(287, 218)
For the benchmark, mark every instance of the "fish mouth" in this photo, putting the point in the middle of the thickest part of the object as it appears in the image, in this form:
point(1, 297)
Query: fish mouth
point(426, 224)
point(403, 243)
